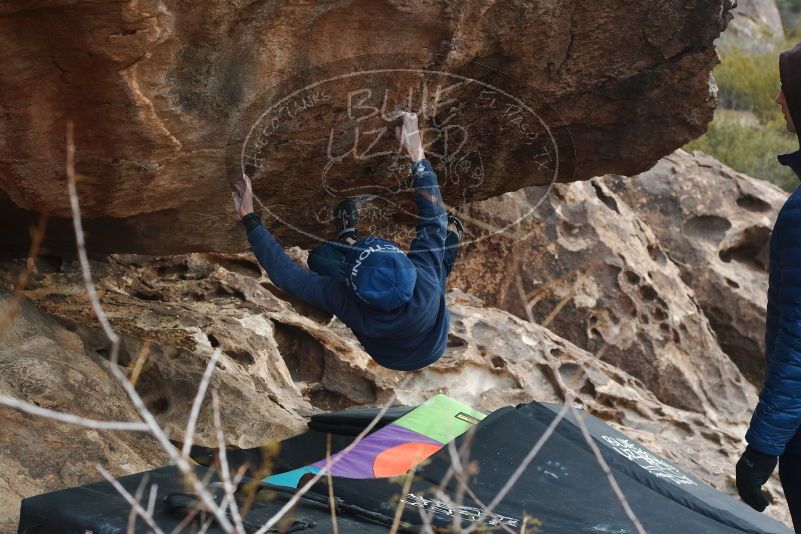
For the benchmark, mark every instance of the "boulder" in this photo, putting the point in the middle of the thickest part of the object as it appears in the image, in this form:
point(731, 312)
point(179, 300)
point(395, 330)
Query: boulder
point(172, 101)
point(715, 225)
point(577, 260)
point(183, 307)
point(46, 364)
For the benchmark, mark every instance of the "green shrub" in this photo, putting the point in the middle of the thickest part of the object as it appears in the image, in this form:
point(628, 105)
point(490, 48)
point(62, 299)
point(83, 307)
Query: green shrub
point(749, 82)
point(750, 149)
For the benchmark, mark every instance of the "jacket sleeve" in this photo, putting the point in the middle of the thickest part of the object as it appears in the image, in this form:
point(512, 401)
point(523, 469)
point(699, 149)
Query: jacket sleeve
point(778, 413)
point(428, 247)
point(772, 317)
point(326, 293)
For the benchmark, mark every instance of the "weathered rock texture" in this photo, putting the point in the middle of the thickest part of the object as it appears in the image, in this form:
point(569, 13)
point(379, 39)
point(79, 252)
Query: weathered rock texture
point(715, 225)
point(46, 364)
point(164, 95)
point(756, 27)
point(289, 364)
point(586, 266)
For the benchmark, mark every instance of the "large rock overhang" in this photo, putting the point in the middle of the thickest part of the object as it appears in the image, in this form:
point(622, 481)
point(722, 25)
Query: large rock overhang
point(172, 101)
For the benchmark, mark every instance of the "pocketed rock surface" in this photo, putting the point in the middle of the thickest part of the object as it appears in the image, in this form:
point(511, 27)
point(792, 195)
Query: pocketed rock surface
point(282, 361)
point(611, 265)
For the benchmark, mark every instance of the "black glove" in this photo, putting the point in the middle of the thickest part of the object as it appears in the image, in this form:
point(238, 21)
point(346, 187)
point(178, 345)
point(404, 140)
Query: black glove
point(753, 470)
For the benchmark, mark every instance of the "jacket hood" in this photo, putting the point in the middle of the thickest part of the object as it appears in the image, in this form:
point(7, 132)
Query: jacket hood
point(790, 75)
point(380, 274)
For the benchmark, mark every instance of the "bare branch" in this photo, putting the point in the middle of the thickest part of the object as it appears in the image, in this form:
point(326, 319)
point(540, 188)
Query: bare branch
point(180, 461)
point(522, 467)
point(81, 241)
point(226, 474)
point(612, 482)
point(405, 491)
point(331, 501)
point(151, 502)
point(302, 491)
point(138, 498)
point(133, 502)
point(201, 393)
point(69, 418)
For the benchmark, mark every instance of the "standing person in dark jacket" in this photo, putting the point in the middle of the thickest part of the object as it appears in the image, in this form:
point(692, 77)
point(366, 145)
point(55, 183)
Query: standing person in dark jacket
point(393, 302)
point(775, 430)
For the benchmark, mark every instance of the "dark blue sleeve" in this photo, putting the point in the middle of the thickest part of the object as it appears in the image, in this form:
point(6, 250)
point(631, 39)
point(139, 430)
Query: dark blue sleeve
point(778, 413)
point(321, 291)
point(772, 317)
point(428, 247)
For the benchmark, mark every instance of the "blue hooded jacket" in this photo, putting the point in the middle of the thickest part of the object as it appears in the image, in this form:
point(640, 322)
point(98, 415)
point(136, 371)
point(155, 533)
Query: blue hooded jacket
point(410, 336)
point(776, 420)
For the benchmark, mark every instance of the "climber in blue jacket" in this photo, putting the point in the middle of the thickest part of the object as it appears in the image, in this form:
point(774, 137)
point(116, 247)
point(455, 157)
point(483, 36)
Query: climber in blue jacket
point(393, 302)
point(775, 430)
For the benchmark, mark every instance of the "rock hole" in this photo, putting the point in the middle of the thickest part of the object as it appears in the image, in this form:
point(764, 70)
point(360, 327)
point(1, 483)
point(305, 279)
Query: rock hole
point(304, 356)
point(159, 406)
point(604, 197)
point(573, 375)
point(234, 264)
point(498, 362)
point(173, 270)
point(243, 357)
point(752, 203)
point(647, 293)
point(213, 341)
point(455, 346)
point(709, 227)
point(556, 352)
point(456, 342)
point(750, 248)
point(657, 255)
point(48, 263)
point(633, 278)
point(732, 283)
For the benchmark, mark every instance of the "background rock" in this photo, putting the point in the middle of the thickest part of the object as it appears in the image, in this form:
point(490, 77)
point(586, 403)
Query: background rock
point(715, 225)
point(589, 269)
point(163, 95)
point(44, 363)
point(756, 27)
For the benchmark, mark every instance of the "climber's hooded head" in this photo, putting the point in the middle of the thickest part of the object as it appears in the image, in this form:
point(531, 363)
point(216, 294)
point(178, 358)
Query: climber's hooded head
point(790, 97)
point(380, 274)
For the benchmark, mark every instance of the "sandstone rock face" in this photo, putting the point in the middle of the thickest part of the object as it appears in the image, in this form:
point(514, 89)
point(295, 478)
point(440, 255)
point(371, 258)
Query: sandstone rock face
point(44, 363)
point(279, 363)
point(583, 264)
point(171, 100)
point(715, 224)
point(756, 27)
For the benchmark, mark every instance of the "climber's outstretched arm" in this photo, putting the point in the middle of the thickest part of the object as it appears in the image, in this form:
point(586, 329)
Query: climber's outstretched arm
point(321, 291)
point(428, 247)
